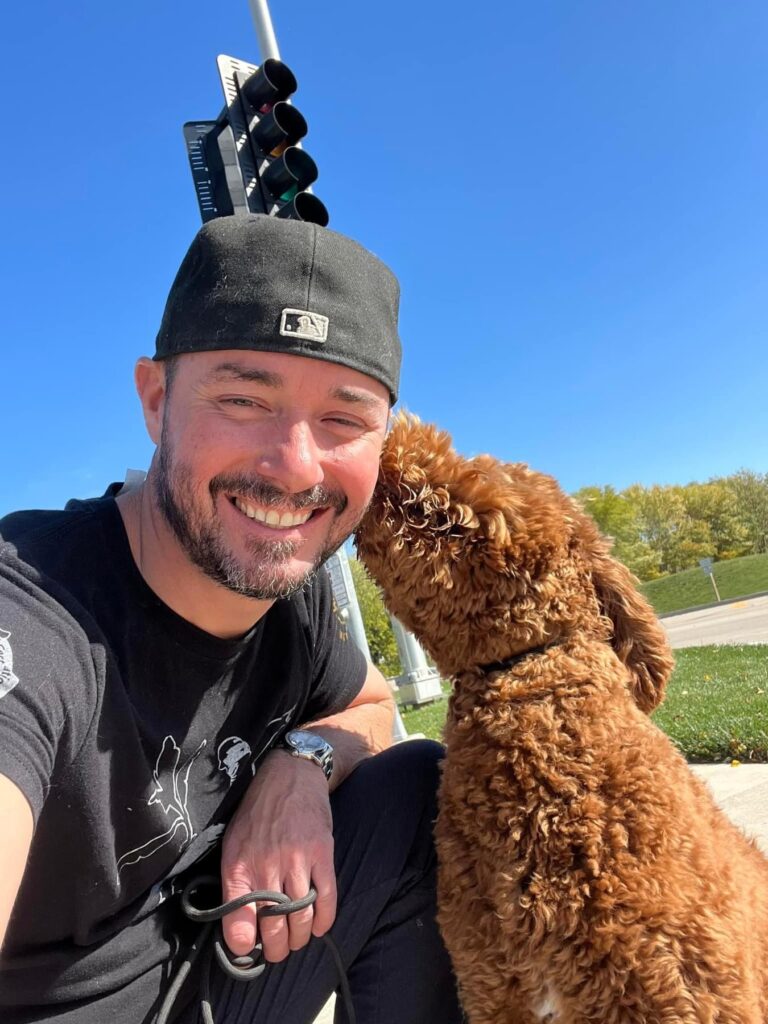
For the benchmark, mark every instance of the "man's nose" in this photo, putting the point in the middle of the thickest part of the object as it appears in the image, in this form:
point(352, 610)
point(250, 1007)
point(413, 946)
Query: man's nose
point(290, 457)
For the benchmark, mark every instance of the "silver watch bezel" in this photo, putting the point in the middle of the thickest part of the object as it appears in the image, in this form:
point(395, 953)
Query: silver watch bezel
point(310, 747)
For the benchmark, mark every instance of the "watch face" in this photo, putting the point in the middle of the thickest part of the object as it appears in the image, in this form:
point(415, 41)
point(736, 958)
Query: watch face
point(306, 742)
point(312, 747)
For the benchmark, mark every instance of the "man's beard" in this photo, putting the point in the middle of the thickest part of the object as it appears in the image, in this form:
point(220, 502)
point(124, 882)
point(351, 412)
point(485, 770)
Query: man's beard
point(258, 574)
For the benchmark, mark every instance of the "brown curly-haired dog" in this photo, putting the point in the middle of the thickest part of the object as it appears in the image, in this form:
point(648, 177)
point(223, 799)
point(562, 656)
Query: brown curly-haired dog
point(586, 875)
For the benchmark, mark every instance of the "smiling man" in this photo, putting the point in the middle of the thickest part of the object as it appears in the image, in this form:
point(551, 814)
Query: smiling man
point(178, 693)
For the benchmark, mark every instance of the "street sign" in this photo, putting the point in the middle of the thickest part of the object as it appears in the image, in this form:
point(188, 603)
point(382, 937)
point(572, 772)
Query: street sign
point(706, 566)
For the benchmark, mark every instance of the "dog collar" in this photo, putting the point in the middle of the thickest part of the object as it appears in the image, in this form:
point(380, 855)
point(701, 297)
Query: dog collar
point(498, 666)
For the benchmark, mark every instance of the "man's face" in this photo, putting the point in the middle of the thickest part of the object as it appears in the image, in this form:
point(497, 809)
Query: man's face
point(266, 464)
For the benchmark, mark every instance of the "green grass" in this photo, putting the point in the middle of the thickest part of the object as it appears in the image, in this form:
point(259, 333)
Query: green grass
point(716, 707)
point(717, 704)
point(428, 718)
point(736, 577)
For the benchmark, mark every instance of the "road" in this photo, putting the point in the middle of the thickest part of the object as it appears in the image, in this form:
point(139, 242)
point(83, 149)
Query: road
point(740, 622)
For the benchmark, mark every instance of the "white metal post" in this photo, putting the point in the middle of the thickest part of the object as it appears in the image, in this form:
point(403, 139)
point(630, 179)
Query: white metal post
point(344, 594)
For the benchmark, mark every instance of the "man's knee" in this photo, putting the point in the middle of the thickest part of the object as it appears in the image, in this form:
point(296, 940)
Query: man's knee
point(407, 772)
point(390, 802)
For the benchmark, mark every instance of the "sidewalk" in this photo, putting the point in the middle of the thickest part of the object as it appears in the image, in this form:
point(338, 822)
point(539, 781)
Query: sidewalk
point(742, 792)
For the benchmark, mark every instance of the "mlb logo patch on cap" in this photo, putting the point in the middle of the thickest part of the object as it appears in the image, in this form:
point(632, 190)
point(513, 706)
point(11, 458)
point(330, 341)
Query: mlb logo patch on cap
point(300, 323)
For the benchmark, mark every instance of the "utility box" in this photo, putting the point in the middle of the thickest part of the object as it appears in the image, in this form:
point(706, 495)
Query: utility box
point(419, 683)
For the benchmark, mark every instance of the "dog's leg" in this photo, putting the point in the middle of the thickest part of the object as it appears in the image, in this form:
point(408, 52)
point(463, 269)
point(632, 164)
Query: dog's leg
point(473, 934)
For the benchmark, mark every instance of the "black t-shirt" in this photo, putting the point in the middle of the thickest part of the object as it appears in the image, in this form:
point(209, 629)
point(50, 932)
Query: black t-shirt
point(133, 735)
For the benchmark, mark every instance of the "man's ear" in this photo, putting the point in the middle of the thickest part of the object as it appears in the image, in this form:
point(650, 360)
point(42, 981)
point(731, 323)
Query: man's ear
point(151, 387)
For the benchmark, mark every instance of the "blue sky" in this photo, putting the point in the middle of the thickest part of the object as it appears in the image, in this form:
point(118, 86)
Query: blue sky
point(573, 195)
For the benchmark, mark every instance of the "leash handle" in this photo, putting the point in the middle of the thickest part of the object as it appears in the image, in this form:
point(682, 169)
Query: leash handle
point(284, 904)
point(249, 966)
point(241, 968)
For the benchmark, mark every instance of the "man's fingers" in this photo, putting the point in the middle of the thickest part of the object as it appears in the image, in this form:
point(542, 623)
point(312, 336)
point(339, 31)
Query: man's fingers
point(324, 880)
point(297, 885)
point(274, 935)
point(240, 927)
point(282, 933)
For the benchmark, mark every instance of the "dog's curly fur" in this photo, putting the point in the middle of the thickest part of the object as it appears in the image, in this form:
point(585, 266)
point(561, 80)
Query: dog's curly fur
point(586, 875)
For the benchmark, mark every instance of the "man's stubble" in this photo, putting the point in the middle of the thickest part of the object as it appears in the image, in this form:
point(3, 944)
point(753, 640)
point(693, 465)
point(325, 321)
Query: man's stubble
point(260, 575)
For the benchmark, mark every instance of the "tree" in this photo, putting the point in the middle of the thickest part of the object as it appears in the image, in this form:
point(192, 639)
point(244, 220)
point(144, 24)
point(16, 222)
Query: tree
point(378, 629)
point(616, 514)
point(661, 521)
point(751, 492)
point(692, 542)
point(715, 505)
point(659, 530)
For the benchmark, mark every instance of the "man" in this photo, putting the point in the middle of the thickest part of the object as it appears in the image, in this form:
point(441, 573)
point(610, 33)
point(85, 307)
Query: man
point(171, 668)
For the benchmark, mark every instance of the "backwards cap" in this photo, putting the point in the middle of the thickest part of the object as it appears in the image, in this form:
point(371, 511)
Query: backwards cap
point(257, 282)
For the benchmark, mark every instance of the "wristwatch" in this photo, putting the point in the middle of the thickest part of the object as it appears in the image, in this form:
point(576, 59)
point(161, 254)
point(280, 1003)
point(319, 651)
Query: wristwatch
point(310, 747)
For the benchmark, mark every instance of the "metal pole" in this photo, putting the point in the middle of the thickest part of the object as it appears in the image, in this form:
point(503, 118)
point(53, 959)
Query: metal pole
point(265, 33)
point(345, 596)
point(346, 599)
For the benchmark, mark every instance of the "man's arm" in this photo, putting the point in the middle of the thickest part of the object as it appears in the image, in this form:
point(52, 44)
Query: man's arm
point(362, 729)
point(281, 838)
point(16, 816)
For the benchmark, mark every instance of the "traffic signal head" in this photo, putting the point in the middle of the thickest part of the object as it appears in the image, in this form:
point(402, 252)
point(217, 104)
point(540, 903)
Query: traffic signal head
point(250, 159)
point(268, 84)
point(283, 126)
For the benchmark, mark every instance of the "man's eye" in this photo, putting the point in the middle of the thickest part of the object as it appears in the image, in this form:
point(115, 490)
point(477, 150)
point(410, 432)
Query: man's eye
point(243, 403)
point(344, 421)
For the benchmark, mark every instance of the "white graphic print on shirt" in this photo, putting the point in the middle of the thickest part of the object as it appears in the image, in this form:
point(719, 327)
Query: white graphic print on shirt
point(7, 679)
point(171, 793)
point(231, 752)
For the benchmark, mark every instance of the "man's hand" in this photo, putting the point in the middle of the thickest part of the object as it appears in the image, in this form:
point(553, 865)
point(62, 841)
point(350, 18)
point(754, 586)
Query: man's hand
point(280, 839)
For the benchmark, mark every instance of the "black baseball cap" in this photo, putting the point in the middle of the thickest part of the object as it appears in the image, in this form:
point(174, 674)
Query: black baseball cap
point(251, 281)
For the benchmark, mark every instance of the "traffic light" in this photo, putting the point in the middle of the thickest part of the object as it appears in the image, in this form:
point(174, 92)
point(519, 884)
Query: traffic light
point(248, 159)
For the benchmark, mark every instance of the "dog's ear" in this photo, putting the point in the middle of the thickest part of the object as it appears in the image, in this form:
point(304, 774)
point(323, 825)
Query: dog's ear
point(638, 637)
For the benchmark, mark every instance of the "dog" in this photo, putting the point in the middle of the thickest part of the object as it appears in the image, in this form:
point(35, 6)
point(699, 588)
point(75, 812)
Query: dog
point(585, 874)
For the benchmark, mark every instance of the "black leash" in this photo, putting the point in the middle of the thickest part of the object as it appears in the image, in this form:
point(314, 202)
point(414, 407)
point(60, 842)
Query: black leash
point(209, 946)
